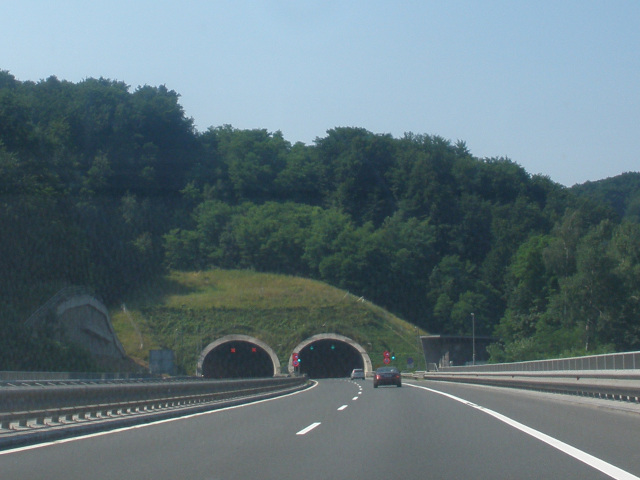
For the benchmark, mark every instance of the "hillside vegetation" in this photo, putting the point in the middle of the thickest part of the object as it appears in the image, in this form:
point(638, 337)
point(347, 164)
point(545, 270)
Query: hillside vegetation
point(188, 310)
point(111, 188)
point(622, 193)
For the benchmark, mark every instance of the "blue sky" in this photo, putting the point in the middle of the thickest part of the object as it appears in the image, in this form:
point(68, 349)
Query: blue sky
point(553, 85)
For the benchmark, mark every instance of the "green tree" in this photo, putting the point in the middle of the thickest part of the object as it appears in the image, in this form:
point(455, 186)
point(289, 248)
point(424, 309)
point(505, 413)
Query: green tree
point(357, 165)
point(624, 250)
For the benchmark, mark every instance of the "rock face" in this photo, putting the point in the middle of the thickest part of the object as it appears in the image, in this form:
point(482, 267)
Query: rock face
point(75, 316)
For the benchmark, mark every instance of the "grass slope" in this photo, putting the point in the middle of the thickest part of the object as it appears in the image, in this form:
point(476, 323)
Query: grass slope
point(188, 310)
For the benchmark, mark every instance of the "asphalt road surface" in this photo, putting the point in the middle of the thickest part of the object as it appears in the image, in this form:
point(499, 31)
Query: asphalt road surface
point(342, 429)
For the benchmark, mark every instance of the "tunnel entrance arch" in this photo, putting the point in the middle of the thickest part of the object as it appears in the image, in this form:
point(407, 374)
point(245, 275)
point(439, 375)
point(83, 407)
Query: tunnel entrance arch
point(238, 356)
point(330, 355)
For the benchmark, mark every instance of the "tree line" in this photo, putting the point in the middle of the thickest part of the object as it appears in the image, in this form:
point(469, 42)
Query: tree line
point(108, 187)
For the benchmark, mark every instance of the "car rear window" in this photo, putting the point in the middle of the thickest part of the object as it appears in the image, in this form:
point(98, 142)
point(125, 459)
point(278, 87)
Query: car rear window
point(387, 370)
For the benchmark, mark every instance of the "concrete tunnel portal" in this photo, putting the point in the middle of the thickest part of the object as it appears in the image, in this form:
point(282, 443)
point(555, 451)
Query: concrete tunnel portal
point(238, 356)
point(320, 356)
point(330, 355)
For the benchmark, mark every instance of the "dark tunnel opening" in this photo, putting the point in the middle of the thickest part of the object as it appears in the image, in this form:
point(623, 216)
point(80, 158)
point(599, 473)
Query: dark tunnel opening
point(237, 359)
point(329, 359)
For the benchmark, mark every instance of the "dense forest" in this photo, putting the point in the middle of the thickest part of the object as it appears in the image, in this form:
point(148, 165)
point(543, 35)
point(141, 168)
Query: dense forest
point(109, 187)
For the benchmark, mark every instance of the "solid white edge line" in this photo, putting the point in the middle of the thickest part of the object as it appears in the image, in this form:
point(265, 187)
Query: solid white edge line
point(306, 430)
point(574, 452)
point(158, 422)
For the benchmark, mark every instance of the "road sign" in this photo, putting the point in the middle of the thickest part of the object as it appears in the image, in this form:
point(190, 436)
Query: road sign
point(295, 359)
point(386, 354)
point(386, 360)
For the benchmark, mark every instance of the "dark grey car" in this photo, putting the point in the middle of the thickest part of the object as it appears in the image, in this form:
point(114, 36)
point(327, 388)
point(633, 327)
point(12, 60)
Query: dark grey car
point(387, 376)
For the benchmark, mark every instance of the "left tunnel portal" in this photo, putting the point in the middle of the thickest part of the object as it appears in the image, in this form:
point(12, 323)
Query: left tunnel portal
point(238, 356)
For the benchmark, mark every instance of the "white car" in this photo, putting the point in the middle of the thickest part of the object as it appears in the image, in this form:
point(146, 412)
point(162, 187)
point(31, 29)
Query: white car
point(357, 373)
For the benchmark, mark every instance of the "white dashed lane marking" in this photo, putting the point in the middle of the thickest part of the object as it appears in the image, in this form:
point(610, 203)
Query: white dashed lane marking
point(306, 430)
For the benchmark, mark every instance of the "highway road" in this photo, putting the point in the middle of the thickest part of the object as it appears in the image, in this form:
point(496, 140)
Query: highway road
point(342, 429)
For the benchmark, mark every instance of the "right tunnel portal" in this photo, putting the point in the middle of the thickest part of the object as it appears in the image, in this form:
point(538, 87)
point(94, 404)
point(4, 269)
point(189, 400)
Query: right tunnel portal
point(331, 358)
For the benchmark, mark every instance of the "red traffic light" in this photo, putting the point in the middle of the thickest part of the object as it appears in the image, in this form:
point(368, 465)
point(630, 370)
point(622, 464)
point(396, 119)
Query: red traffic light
point(233, 349)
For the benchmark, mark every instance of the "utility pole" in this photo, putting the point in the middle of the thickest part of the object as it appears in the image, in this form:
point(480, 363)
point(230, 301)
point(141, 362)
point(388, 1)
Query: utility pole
point(473, 340)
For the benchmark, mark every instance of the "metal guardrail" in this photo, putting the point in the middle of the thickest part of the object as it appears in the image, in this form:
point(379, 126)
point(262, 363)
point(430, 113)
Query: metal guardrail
point(607, 383)
point(33, 409)
point(64, 396)
point(21, 376)
point(611, 361)
point(104, 379)
point(592, 385)
point(612, 376)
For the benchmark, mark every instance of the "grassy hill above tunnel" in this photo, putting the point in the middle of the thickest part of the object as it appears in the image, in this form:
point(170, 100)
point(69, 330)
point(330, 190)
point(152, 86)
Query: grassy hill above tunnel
point(186, 311)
